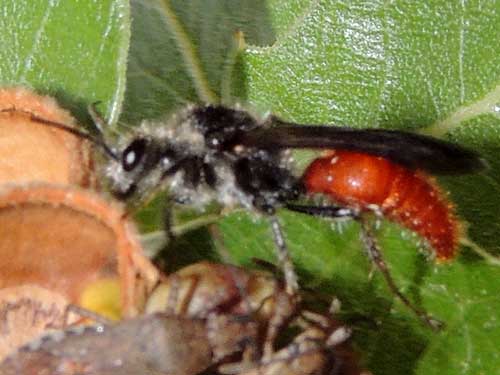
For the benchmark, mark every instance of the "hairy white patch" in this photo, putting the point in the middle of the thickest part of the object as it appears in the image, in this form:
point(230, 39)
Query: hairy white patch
point(181, 132)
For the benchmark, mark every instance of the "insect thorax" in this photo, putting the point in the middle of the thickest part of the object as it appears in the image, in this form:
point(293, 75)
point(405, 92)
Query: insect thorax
point(195, 155)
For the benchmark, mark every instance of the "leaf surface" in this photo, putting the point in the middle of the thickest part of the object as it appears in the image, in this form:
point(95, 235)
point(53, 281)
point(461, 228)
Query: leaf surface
point(75, 51)
point(428, 67)
point(432, 67)
point(413, 66)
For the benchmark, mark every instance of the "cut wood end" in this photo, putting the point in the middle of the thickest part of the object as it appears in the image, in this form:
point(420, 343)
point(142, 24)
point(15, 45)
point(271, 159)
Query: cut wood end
point(33, 151)
point(26, 311)
point(64, 239)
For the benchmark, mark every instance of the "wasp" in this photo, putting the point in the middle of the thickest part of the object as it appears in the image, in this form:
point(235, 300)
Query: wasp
point(214, 153)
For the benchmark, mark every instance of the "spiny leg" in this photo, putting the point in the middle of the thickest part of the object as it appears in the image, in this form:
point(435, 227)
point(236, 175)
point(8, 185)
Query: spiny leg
point(372, 250)
point(285, 304)
point(291, 283)
point(376, 257)
point(324, 211)
point(283, 311)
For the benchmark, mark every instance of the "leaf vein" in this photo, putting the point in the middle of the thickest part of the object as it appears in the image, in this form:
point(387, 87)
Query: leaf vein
point(102, 43)
point(298, 22)
point(387, 62)
point(189, 53)
point(461, 53)
point(141, 70)
point(428, 84)
point(486, 104)
point(36, 40)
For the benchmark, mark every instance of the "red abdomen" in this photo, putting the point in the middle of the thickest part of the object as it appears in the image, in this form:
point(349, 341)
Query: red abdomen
point(408, 197)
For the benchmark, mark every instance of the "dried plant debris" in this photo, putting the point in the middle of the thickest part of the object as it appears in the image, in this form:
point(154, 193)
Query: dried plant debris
point(219, 338)
point(152, 344)
point(26, 311)
point(204, 286)
point(33, 152)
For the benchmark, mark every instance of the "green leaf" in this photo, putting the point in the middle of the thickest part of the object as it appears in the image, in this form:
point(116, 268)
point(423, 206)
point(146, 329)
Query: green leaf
point(405, 65)
point(73, 50)
point(429, 66)
point(466, 296)
point(164, 33)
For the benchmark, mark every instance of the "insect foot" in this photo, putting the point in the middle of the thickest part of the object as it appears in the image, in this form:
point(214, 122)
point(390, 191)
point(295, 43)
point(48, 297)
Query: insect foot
point(319, 349)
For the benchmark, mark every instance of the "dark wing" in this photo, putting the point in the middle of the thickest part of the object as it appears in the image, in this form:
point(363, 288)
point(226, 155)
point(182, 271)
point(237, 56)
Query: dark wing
point(411, 150)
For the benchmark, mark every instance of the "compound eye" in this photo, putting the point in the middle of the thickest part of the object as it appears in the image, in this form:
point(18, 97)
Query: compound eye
point(133, 154)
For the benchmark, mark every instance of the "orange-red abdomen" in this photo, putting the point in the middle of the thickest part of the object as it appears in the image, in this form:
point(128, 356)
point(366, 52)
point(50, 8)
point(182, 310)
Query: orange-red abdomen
point(408, 197)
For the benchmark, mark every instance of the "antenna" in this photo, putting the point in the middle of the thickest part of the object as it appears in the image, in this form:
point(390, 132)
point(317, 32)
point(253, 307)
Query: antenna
point(98, 141)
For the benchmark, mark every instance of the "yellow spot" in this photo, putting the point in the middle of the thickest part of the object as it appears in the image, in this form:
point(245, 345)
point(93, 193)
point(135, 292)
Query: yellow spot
point(103, 297)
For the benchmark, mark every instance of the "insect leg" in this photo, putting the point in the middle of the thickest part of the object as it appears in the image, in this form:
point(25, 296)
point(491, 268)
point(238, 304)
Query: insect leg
point(99, 124)
point(375, 256)
point(84, 314)
point(324, 211)
point(99, 121)
point(292, 285)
